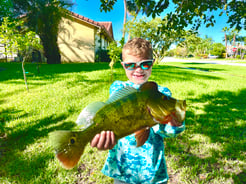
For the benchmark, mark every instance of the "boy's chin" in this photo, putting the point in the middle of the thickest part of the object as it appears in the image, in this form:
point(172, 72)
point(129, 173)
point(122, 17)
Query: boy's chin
point(138, 81)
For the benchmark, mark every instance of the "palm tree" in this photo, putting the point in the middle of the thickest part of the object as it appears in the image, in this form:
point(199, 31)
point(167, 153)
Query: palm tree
point(225, 30)
point(132, 9)
point(43, 17)
point(240, 40)
point(231, 37)
point(124, 23)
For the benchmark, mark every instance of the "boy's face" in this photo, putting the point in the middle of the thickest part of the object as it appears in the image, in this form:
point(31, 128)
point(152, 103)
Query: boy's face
point(137, 76)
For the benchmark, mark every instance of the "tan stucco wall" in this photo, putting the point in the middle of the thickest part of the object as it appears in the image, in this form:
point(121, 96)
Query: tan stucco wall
point(76, 41)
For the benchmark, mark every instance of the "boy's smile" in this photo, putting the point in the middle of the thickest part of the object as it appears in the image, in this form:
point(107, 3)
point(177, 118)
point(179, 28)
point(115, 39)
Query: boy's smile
point(137, 76)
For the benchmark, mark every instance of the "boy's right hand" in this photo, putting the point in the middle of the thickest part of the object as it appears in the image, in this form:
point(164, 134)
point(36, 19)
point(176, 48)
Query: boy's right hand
point(104, 141)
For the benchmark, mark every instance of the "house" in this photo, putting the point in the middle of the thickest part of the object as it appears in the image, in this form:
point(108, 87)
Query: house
point(79, 38)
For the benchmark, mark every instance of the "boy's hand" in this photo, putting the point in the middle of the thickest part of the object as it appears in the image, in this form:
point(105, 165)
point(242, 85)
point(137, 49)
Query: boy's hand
point(172, 122)
point(104, 141)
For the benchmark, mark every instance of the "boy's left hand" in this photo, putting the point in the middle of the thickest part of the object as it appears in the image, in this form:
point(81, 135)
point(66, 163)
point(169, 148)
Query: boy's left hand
point(172, 122)
point(104, 141)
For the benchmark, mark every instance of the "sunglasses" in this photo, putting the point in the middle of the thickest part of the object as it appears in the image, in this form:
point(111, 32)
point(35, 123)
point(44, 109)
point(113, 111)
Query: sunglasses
point(144, 65)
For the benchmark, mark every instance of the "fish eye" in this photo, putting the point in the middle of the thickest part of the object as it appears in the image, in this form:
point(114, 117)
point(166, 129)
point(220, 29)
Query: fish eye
point(72, 140)
point(164, 97)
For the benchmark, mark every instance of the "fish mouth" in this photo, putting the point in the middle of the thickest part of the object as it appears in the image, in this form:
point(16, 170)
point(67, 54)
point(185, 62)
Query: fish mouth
point(167, 110)
point(174, 118)
point(171, 118)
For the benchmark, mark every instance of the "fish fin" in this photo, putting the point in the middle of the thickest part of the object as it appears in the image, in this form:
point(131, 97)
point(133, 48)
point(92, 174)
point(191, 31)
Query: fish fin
point(142, 136)
point(121, 93)
point(149, 86)
point(67, 146)
point(87, 114)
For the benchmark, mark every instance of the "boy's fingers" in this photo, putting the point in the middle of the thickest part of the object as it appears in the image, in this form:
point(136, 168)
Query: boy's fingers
point(112, 138)
point(95, 140)
point(104, 140)
point(108, 140)
point(101, 141)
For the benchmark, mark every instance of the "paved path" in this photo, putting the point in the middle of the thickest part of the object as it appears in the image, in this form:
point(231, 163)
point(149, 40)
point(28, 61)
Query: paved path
point(221, 62)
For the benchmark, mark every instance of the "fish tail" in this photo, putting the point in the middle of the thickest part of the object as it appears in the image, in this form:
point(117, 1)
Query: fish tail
point(69, 146)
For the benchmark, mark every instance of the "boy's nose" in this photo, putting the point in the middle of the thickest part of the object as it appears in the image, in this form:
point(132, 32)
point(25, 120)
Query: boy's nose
point(138, 68)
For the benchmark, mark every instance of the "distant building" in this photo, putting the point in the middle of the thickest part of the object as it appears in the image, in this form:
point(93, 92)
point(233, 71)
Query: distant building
point(10, 56)
point(231, 50)
point(2, 50)
point(79, 38)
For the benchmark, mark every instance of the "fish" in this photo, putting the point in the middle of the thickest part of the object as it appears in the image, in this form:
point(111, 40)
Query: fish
point(126, 112)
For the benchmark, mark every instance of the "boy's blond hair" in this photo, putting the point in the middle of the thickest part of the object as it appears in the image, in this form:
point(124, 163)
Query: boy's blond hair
point(138, 47)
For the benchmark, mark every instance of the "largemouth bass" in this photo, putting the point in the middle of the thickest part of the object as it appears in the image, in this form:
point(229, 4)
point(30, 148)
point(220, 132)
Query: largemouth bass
point(126, 112)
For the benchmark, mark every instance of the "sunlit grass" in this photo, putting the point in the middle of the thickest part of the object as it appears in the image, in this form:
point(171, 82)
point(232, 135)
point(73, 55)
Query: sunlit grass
point(211, 150)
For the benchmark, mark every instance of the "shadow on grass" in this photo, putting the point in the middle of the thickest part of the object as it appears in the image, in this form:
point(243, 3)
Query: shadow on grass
point(17, 165)
point(49, 72)
point(197, 66)
point(74, 74)
point(172, 73)
point(6, 115)
point(13, 71)
point(223, 123)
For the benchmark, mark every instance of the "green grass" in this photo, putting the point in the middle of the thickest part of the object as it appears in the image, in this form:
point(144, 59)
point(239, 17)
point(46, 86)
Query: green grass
point(211, 150)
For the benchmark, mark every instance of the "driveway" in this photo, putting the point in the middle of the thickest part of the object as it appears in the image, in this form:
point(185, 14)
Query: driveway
point(221, 62)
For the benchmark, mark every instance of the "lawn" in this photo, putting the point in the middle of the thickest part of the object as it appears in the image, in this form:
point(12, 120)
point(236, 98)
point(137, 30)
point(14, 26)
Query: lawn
point(211, 150)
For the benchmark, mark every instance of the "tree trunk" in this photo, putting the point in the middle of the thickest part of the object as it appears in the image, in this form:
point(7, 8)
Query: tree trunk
point(6, 55)
point(51, 49)
point(24, 72)
point(124, 23)
point(226, 45)
point(234, 44)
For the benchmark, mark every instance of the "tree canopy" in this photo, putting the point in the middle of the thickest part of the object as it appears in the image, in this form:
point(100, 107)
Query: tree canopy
point(187, 12)
point(149, 29)
point(5, 9)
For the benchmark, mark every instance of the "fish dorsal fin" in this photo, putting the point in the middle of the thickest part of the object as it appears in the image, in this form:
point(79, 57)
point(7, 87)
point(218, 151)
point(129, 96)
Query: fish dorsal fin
point(142, 136)
point(121, 93)
point(87, 114)
point(149, 86)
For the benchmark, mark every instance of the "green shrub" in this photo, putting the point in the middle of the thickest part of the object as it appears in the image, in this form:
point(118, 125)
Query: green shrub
point(238, 57)
point(2, 60)
point(102, 56)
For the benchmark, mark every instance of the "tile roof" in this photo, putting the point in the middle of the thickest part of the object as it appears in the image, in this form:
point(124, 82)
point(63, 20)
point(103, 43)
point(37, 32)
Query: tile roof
point(107, 26)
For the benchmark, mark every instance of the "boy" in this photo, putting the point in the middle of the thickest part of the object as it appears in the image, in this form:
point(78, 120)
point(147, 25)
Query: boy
point(127, 163)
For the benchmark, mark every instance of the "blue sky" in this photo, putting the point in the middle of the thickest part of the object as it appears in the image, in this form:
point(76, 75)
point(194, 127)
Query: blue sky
point(91, 9)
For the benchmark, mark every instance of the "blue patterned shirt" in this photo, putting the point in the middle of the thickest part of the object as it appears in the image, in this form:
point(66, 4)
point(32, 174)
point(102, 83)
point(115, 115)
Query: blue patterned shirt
point(145, 164)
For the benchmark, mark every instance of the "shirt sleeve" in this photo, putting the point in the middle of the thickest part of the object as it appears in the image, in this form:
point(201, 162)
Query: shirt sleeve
point(116, 86)
point(166, 131)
